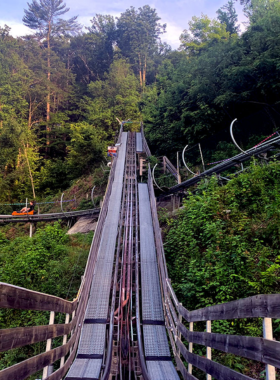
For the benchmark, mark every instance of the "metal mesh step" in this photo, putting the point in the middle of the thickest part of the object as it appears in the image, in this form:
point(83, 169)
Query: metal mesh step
point(155, 341)
point(139, 142)
point(151, 295)
point(162, 370)
point(92, 341)
point(85, 368)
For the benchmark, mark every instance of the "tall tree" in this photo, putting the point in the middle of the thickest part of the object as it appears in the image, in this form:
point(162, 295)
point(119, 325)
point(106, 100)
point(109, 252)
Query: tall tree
point(115, 97)
point(93, 52)
point(44, 17)
point(203, 32)
point(257, 10)
point(138, 37)
point(227, 15)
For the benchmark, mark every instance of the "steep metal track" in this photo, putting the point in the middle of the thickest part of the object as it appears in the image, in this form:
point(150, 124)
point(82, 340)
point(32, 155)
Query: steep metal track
point(125, 354)
point(157, 353)
point(91, 350)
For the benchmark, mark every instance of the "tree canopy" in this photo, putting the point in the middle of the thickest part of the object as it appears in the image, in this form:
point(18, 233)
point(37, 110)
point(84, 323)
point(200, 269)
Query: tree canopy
point(62, 90)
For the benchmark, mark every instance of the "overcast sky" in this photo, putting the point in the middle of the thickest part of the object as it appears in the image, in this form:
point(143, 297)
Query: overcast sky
point(175, 13)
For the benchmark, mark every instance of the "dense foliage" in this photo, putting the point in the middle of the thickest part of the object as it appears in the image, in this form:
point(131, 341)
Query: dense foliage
point(216, 77)
point(50, 262)
point(62, 90)
point(224, 244)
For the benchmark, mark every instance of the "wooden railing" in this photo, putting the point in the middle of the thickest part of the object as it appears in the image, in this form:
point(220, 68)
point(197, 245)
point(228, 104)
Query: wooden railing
point(264, 350)
point(13, 297)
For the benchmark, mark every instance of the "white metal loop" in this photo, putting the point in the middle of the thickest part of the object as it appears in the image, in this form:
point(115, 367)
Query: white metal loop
point(183, 158)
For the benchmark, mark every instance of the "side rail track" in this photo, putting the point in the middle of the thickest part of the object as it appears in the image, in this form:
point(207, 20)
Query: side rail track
point(48, 217)
point(180, 325)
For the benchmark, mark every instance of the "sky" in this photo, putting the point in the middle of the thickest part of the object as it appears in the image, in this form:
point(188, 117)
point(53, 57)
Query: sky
point(175, 13)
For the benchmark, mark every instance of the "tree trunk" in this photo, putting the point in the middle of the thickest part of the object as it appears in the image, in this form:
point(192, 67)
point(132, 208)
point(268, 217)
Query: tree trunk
point(140, 71)
point(49, 88)
point(30, 113)
point(30, 172)
point(1, 122)
point(144, 72)
point(18, 158)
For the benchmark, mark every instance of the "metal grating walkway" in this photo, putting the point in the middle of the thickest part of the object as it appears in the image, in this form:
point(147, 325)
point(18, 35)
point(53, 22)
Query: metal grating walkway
point(139, 143)
point(157, 353)
point(88, 362)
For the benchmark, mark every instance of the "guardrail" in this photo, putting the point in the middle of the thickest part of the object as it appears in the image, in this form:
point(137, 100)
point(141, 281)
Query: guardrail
point(264, 350)
point(12, 297)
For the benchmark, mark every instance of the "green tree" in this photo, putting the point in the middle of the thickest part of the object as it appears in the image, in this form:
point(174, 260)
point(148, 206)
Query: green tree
point(203, 32)
point(115, 97)
point(86, 150)
point(93, 51)
point(227, 15)
point(258, 10)
point(138, 38)
point(18, 158)
point(44, 18)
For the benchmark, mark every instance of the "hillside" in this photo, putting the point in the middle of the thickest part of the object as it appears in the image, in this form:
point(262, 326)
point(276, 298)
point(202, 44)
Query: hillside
point(223, 245)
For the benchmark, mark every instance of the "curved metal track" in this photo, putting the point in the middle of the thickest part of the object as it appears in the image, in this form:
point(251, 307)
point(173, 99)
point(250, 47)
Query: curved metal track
point(48, 217)
point(238, 159)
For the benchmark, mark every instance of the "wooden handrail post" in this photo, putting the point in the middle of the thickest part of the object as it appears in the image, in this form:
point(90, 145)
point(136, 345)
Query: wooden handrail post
point(64, 341)
point(48, 346)
point(190, 349)
point(72, 331)
point(178, 170)
point(179, 335)
point(268, 334)
point(208, 349)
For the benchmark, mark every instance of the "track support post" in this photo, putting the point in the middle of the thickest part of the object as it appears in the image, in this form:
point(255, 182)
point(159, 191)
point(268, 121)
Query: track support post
point(268, 334)
point(62, 360)
point(30, 229)
point(208, 349)
point(46, 370)
point(190, 349)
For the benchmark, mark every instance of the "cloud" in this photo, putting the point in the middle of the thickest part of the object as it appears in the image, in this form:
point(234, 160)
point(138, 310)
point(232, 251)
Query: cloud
point(172, 35)
point(17, 28)
point(175, 13)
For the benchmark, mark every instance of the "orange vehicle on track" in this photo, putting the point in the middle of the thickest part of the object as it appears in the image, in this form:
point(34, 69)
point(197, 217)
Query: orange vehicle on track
point(16, 213)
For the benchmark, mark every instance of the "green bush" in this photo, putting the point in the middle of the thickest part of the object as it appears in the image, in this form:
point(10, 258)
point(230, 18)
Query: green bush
point(50, 262)
point(225, 243)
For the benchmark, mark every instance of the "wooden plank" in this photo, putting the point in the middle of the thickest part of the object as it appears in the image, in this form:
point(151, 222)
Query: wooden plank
point(26, 368)
point(14, 297)
point(60, 373)
point(218, 371)
point(183, 370)
point(259, 349)
point(22, 336)
point(260, 306)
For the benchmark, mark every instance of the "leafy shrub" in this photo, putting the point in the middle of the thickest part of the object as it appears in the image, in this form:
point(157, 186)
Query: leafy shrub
point(224, 244)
